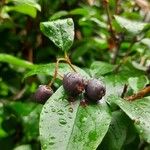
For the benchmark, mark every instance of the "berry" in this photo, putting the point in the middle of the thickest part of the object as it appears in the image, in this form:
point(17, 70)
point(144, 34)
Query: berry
point(42, 94)
point(95, 90)
point(73, 83)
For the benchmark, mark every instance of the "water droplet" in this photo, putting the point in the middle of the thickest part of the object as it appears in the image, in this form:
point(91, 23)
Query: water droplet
point(60, 112)
point(45, 111)
point(53, 109)
point(137, 121)
point(52, 137)
point(141, 131)
point(70, 117)
point(84, 119)
point(70, 109)
point(51, 143)
point(45, 146)
point(69, 21)
point(62, 121)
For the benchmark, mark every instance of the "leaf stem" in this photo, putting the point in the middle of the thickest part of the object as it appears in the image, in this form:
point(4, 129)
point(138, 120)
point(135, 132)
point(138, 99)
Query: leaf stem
point(69, 62)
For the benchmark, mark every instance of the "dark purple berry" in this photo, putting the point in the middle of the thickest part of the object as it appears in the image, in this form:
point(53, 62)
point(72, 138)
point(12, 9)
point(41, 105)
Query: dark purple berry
point(73, 83)
point(43, 93)
point(95, 90)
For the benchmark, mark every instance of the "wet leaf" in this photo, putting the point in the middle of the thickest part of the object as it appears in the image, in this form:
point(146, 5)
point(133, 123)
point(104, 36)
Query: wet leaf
point(48, 69)
point(138, 111)
point(131, 26)
point(66, 126)
point(61, 32)
point(138, 83)
point(117, 133)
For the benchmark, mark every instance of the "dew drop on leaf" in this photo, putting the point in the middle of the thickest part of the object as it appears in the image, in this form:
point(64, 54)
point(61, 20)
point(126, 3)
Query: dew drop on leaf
point(62, 121)
point(53, 109)
point(70, 109)
point(69, 22)
point(51, 143)
point(60, 112)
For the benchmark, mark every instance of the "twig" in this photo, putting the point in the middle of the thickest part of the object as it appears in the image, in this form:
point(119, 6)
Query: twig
point(109, 19)
point(19, 94)
point(117, 6)
point(139, 95)
point(112, 32)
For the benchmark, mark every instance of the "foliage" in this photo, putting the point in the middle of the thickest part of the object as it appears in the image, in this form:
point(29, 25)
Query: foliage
point(41, 40)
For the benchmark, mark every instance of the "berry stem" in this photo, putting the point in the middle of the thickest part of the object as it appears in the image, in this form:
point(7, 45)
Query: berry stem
point(69, 62)
point(56, 71)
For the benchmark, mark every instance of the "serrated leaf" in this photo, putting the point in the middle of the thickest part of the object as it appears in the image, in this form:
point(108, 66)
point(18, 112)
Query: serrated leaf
point(131, 26)
point(71, 126)
point(48, 69)
point(15, 61)
point(138, 111)
point(61, 32)
point(138, 83)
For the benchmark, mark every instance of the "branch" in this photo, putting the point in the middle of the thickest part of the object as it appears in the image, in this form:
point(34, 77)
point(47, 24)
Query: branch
point(139, 95)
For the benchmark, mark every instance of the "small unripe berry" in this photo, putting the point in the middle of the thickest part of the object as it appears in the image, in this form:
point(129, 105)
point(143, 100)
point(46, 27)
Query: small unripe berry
point(43, 93)
point(73, 83)
point(95, 90)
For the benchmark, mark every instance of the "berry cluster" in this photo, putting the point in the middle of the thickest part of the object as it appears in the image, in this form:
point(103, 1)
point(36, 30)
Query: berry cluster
point(74, 84)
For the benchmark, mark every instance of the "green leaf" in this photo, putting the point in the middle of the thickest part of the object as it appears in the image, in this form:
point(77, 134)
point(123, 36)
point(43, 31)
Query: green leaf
point(146, 41)
point(117, 133)
point(15, 61)
point(31, 123)
point(23, 147)
point(67, 126)
point(58, 14)
point(29, 113)
point(61, 32)
point(115, 81)
point(79, 11)
point(28, 7)
point(137, 83)
point(99, 68)
point(131, 26)
point(48, 69)
point(138, 111)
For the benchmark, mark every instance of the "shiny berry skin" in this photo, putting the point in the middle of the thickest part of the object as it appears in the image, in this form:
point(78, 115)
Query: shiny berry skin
point(95, 90)
point(73, 83)
point(42, 94)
